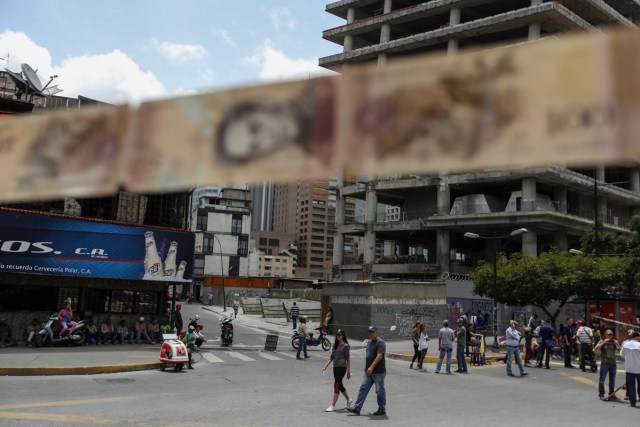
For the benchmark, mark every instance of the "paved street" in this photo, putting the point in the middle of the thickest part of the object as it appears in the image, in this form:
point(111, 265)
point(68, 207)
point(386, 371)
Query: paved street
point(246, 386)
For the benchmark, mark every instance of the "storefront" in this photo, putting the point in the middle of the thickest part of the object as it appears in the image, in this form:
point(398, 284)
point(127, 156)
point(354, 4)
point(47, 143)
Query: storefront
point(113, 270)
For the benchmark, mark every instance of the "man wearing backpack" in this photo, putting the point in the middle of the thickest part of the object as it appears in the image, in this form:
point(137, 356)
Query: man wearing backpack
point(584, 336)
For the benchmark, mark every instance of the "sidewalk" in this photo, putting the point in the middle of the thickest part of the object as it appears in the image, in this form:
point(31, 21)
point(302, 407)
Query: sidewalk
point(23, 361)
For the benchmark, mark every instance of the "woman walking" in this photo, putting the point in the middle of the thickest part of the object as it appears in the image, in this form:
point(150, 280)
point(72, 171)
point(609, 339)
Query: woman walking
point(415, 337)
point(423, 346)
point(341, 366)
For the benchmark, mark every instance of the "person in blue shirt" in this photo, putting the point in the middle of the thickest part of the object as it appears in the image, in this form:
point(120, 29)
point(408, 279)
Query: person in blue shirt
point(545, 341)
point(567, 342)
point(513, 349)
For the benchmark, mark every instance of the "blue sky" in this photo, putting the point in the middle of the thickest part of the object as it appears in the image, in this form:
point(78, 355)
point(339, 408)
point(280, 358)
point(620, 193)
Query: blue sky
point(128, 50)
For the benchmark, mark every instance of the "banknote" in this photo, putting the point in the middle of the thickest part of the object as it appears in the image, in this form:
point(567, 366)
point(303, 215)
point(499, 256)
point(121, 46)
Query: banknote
point(71, 153)
point(569, 101)
point(282, 131)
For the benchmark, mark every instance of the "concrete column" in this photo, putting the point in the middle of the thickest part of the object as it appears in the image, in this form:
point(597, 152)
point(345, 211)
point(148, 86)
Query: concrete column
point(535, 28)
point(385, 31)
point(444, 246)
point(348, 39)
point(602, 200)
point(528, 194)
point(382, 58)
point(530, 242)
point(634, 178)
point(351, 15)
point(560, 195)
point(338, 239)
point(454, 19)
point(561, 241)
point(370, 219)
point(387, 6)
point(444, 197)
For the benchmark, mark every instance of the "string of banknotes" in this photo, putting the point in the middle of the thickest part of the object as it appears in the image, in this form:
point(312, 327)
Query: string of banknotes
point(565, 101)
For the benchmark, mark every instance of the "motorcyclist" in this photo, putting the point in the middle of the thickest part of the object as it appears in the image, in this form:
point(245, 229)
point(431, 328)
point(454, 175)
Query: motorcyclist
point(65, 316)
point(194, 321)
point(189, 338)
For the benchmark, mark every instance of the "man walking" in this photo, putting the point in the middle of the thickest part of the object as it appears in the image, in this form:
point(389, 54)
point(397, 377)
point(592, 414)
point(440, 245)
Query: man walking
point(567, 342)
point(607, 347)
point(630, 352)
point(546, 343)
point(294, 312)
point(302, 341)
point(584, 336)
point(461, 337)
point(445, 341)
point(374, 373)
point(177, 317)
point(513, 349)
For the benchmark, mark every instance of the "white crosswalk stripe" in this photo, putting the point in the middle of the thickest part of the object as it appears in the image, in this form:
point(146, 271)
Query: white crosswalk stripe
point(268, 356)
point(211, 358)
point(240, 356)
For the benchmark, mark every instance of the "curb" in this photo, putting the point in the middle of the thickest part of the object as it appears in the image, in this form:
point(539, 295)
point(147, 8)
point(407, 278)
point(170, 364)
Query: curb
point(431, 359)
point(78, 370)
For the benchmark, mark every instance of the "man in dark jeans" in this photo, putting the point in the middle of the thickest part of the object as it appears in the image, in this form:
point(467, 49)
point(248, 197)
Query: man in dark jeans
point(567, 342)
point(545, 344)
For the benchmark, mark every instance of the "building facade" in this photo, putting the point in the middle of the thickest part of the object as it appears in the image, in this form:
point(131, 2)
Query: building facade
point(431, 214)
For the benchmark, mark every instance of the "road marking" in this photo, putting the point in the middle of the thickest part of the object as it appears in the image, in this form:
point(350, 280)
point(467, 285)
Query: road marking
point(291, 355)
point(211, 358)
point(75, 402)
point(268, 356)
point(240, 356)
point(80, 419)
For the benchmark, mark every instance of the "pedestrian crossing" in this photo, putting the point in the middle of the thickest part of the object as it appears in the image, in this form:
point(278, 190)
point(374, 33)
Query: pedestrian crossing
point(249, 355)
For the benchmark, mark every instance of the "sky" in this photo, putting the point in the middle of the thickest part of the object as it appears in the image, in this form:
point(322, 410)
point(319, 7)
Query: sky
point(132, 50)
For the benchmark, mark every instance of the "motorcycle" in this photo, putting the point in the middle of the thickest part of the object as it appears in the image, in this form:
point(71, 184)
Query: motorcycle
point(321, 340)
point(46, 335)
point(226, 331)
point(193, 321)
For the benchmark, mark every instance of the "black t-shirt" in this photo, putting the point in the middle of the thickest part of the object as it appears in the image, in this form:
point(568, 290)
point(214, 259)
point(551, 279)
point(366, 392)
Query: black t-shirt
point(373, 348)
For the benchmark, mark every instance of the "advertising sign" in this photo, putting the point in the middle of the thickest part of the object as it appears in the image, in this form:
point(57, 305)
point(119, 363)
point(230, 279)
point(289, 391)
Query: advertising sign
point(43, 244)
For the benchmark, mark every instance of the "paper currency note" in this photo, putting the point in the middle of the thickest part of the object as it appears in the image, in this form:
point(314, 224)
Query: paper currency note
point(62, 153)
point(275, 132)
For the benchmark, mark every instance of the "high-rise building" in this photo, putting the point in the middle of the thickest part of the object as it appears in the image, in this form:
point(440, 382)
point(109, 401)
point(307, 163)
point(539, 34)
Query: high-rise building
point(431, 214)
point(262, 206)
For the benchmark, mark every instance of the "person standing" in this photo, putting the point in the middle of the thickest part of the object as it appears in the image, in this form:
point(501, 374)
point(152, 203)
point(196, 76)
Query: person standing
point(423, 345)
point(327, 320)
point(584, 336)
point(415, 338)
point(177, 316)
point(210, 297)
point(236, 305)
point(294, 312)
point(630, 352)
point(445, 342)
point(567, 342)
point(341, 367)
point(513, 349)
point(607, 347)
point(528, 345)
point(461, 338)
point(546, 344)
point(302, 341)
point(375, 372)
point(533, 322)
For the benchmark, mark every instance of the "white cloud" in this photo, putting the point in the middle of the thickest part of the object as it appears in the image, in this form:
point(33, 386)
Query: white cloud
point(180, 52)
point(281, 18)
point(111, 77)
point(224, 34)
point(275, 65)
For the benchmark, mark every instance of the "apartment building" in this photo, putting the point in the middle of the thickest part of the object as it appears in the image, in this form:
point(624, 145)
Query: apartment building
point(424, 237)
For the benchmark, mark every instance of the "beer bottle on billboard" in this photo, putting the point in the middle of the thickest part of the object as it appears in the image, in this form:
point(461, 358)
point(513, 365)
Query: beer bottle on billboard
point(152, 261)
point(170, 261)
point(181, 269)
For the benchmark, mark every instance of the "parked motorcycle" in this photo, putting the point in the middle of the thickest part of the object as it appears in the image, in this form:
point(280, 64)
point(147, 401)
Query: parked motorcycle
point(226, 331)
point(321, 340)
point(47, 337)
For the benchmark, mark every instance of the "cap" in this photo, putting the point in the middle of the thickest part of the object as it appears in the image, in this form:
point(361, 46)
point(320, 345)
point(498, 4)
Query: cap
point(373, 328)
point(184, 331)
point(141, 319)
point(178, 306)
point(579, 322)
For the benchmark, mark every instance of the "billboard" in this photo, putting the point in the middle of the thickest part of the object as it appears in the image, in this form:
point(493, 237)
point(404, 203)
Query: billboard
point(43, 244)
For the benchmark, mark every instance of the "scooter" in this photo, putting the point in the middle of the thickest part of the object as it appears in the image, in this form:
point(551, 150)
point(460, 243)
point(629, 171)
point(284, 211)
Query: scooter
point(46, 336)
point(226, 331)
point(321, 340)
point(193, 321)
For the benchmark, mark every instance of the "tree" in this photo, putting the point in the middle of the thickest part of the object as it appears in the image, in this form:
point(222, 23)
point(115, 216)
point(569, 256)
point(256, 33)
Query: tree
point(554, 276)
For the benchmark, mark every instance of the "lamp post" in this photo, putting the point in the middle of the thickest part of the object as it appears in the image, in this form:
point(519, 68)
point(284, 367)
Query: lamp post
point(224, 297)
point(495, 240)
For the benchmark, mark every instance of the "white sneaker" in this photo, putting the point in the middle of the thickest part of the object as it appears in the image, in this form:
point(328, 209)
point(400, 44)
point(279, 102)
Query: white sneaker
point(330, 409)
point(350, 403)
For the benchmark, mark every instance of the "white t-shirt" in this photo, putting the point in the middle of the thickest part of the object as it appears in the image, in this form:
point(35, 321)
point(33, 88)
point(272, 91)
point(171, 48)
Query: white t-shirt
point(584, 334)
point(422, 342)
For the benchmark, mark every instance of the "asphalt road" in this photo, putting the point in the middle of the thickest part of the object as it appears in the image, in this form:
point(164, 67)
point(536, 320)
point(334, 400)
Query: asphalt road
point(247, 387)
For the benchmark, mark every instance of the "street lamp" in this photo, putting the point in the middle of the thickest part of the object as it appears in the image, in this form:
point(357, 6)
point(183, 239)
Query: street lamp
point(224, 296)
point(495, 240)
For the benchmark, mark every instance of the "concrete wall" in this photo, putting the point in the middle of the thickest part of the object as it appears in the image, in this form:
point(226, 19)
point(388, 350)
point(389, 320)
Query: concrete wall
point(297, 294)
point(357, 305)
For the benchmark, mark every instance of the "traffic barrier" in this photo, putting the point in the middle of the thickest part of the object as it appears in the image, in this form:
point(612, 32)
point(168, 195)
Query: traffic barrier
point(271, 343)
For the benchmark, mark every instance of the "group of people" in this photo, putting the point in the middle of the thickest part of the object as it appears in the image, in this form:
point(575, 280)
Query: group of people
point(374, 372)
point(108, 333)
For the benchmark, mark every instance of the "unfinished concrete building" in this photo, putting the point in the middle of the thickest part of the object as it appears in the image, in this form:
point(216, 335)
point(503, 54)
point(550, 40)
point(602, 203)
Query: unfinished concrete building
point(554, 203)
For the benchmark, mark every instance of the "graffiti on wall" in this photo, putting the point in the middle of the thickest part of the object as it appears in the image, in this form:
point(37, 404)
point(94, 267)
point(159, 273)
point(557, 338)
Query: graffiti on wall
point(403, 317)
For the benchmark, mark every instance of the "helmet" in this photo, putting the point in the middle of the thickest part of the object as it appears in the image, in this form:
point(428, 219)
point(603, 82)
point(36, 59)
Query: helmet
point(191, 328)
point(141, 319)
point(197, 317)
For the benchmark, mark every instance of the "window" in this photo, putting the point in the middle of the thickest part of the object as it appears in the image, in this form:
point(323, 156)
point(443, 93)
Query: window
point(201, 224)
point(274, 242)
point(236, 224)
point(125, 301)
point(198, 266)
point(263, 241)
point(243, 245)
point(207, 244)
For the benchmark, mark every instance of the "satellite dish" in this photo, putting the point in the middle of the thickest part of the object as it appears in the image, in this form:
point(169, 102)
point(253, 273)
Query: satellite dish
point(51, 90)
point(20, 83)
point(32, 77)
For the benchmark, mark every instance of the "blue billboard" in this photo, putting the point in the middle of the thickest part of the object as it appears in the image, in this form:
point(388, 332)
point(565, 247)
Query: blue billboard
point(46, 244)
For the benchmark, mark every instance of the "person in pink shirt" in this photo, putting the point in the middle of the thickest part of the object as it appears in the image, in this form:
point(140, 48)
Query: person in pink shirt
point(65, 315)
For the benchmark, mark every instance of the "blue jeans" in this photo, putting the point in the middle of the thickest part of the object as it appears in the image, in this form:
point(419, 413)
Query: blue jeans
point(294, 319)
point(142, 334)
point(607, 368)
point(632, 381)
point(302, 347)
point(445, 349)
point(367, 382)
point(514, 351)
point(462, 361)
